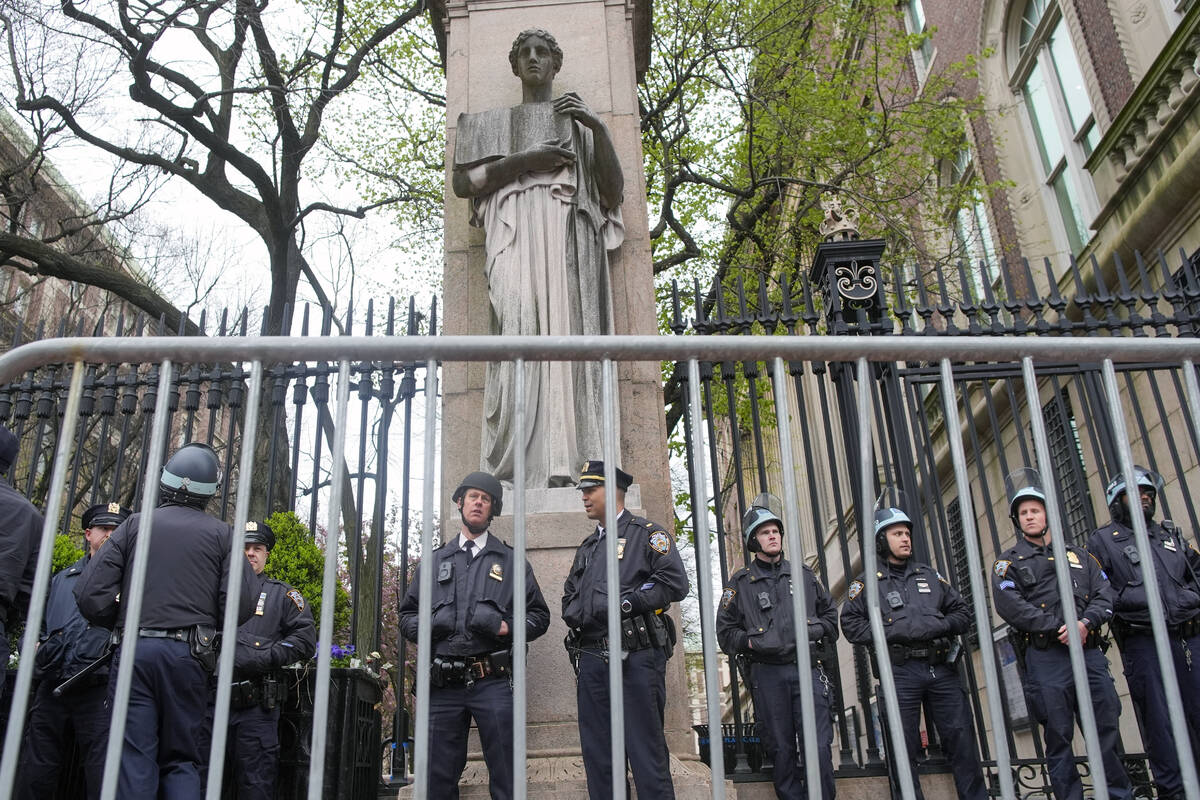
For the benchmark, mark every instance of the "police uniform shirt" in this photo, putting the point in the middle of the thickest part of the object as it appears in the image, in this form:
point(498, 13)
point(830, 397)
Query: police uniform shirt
point(185, 578)
point(20, 540)
point(471, 596)
point(1175, 563)
point(918, 605)
point(68, 643)
point(650, 568)
point(1025, 588)
point(757, 605)
point(281, 630)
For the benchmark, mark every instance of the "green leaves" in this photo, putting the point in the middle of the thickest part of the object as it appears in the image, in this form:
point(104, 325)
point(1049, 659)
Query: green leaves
point(297, 560)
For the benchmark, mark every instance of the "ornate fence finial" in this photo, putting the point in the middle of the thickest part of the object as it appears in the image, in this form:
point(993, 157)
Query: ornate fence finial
point(840, 224)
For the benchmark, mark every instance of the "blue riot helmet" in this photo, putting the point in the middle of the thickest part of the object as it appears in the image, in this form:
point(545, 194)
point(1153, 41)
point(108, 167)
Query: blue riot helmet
point(1115, 492)
point(1021, 485)
point(890, 509)
point(764, 508)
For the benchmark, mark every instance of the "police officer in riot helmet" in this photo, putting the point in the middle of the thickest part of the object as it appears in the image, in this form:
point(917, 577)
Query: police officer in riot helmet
point(471, 627)
point(69, 704)
point(168, 727)
point(755, 624)
point(280, 632)
point(651, 576)
point(922, 616)
point(1176, 566)
point(20, 540)
point(1025, 590)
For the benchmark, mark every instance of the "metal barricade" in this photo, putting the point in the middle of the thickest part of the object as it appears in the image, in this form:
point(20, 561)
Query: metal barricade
point(778, 351)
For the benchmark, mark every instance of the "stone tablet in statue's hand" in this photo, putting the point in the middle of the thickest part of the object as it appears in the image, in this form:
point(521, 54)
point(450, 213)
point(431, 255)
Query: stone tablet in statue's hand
point(572, 105)
point(549, 155)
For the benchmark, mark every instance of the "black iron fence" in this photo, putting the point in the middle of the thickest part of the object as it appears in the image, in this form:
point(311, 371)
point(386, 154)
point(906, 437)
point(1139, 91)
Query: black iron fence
point(851, 290)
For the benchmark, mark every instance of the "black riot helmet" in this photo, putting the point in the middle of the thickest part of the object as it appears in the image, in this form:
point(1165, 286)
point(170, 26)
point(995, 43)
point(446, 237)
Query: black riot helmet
point(191, 476)
point(484, 483)
point(764, 508)
point(891, 508)
point(1115, 494)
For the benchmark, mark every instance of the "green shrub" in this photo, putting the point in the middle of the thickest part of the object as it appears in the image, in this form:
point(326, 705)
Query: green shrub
point(298, 561)
point(66, 552)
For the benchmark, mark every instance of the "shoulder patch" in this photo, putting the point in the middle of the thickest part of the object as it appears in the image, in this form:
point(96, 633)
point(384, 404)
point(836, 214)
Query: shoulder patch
point(941, 577)
point(661, 542)
point(297, 598)
point(1001, 567)
point(727, 597)
point(856, 588)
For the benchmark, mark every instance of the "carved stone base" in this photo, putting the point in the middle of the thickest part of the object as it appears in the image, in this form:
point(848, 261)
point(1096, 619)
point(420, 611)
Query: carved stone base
point(563, 778)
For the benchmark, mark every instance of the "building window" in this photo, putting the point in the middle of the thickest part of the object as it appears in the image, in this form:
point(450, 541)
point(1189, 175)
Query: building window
point(973, 240)
point(915, 23)
point(960, 564)
point(1050, 81)
point(1066, 451)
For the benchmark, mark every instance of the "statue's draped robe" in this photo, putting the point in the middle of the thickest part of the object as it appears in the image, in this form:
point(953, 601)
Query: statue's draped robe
point(547, 237)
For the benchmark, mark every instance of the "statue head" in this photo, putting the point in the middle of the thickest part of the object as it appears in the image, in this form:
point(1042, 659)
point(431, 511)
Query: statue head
point(546, 36)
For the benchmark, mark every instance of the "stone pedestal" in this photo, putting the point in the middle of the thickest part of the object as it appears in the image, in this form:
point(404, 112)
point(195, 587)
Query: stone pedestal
point(600, 52)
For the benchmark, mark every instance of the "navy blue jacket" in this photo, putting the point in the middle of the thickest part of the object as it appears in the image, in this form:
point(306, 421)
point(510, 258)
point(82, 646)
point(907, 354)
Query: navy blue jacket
point(1175, 563)
point(281, 630)
point(650, 569)
point(68, 642)
point(742, 616)
point(185, 579)
point(1025, 588)
point(929, 608)
point(471, 597)
point(20, 541)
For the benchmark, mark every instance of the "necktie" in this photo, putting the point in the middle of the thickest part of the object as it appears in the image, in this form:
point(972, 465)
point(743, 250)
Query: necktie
point(469, 549)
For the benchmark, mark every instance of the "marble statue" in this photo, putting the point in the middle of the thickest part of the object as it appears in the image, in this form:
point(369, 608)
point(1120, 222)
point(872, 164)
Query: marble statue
point(546, 186)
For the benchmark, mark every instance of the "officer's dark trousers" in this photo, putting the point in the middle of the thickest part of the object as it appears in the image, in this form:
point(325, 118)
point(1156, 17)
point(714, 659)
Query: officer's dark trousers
point(252, 752)
point(54, 723)
point(916, 682)
point(1146, 689)
point(451, 709)
point(776, 689)
point(167, 732)
point(645, 695)
point(1051, 692)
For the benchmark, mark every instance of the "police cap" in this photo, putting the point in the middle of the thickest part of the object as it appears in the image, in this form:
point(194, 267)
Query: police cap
point(108, 515)
point(260, 533)
point(592, 474)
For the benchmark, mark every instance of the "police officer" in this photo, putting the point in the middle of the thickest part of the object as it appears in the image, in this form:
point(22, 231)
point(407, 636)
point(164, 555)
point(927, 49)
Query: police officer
point(1176, 567)
point(1025, 589)
point(755, 624)
point(70, 649)
point(922, 613)
point(652, 577)
point(20, 540)
point(471, 629)
point(280, 632)
point(166, 735)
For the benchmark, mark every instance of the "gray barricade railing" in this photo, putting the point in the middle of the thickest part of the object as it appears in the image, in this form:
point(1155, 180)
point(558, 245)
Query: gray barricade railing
point(169, 352)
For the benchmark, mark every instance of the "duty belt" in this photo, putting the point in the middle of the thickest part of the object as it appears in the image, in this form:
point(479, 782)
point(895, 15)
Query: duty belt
point(1044, 640)
point(935, 652)
point(1184, 630)
point(265, 692)
point(465, 670)
point(178, 634)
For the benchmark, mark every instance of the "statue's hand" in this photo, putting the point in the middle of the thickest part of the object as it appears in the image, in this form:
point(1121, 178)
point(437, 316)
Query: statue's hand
point(573, 105)
point(548, 155)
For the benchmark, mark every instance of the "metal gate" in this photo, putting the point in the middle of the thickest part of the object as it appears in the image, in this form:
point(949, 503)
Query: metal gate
point(849, 290)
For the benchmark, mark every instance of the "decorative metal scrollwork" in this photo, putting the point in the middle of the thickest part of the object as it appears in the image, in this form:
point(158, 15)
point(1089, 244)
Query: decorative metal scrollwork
point(856, 283)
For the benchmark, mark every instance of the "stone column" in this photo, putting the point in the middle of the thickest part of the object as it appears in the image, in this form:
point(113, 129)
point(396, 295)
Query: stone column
point(600, 47)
